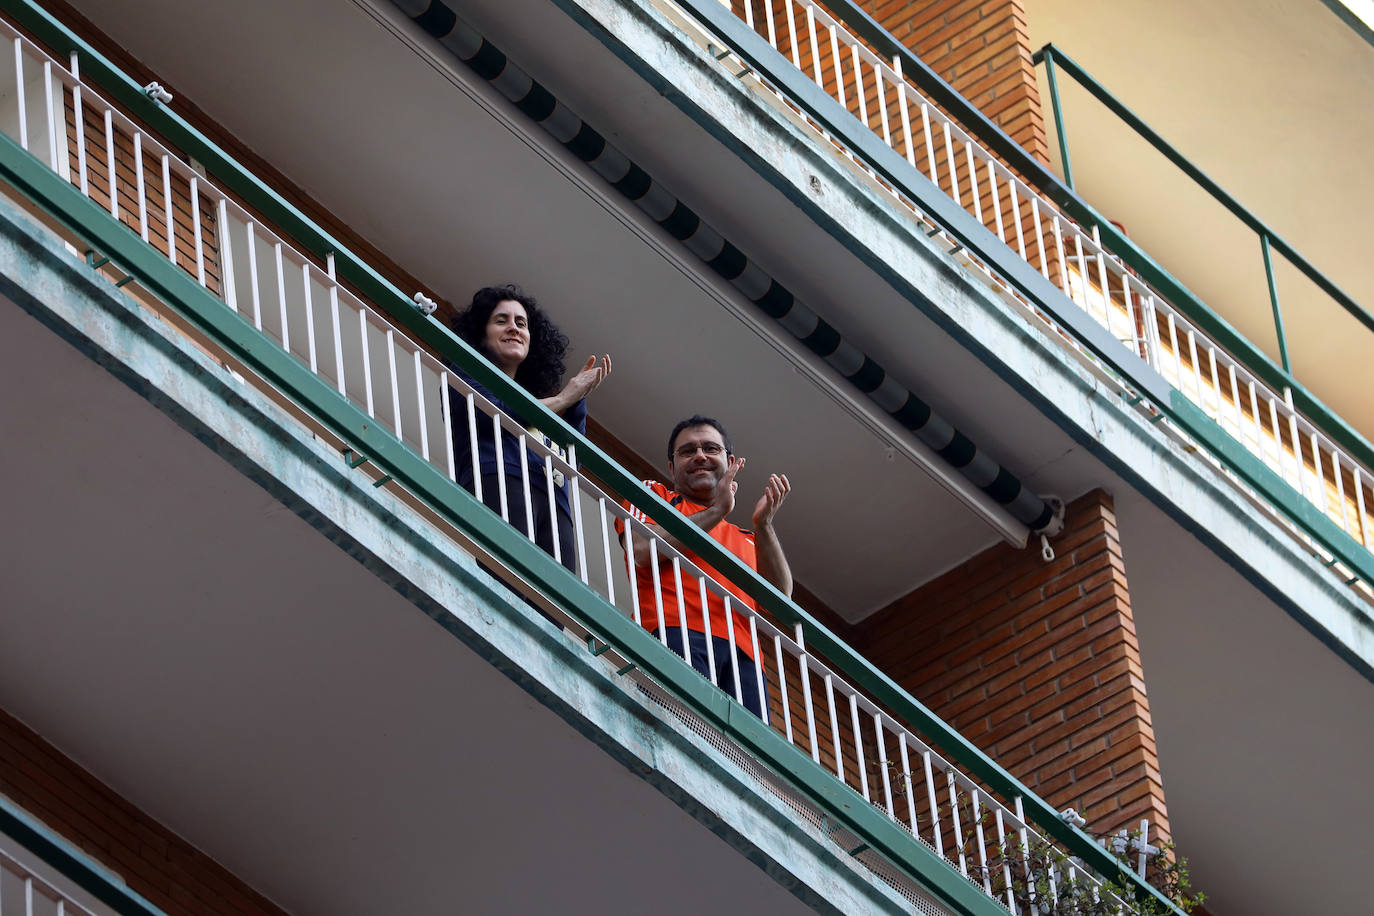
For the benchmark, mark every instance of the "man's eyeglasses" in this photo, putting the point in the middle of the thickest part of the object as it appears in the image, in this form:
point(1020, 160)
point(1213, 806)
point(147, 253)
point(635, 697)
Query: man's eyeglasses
point(709, 449)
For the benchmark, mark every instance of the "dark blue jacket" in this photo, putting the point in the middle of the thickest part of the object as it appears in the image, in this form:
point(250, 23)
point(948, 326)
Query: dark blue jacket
point(576, 417)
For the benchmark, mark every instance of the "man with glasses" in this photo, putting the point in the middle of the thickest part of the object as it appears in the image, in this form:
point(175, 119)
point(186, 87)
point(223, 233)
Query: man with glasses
point(719, 645)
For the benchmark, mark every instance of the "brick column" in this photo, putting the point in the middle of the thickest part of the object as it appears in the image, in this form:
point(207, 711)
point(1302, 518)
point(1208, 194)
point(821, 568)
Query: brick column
point(982, 49)
point(1038, 664)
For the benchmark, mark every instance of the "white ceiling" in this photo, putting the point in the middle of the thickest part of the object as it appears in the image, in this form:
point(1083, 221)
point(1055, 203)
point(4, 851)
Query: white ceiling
point(1267, 97)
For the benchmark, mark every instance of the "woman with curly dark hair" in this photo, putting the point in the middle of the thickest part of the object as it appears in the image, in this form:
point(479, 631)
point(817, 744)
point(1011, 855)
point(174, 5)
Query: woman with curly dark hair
point(510, 329)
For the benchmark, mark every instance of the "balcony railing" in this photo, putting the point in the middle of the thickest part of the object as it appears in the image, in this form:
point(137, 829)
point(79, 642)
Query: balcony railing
point(289, 309)
point(42, 875)
point(836, 73)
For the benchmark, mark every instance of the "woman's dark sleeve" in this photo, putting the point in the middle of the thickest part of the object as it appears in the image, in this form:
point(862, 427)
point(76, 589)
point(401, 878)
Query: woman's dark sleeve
point(576, 416)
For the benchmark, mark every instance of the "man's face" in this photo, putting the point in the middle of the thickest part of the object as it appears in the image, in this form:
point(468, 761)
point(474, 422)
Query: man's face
point(699, 462)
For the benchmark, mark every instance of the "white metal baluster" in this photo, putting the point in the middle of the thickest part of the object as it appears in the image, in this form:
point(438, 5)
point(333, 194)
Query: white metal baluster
point(782, 687)
point(606, 550)
point(815, 46)
point(52, 120)
point(973, 182)
point(805, 671)
point(903, 110)
point(658, 592)
point(281, 294)
point(367, 365)
point(836, 60)
point(500, 465)
point(1340, 488)
point(28, 880)
point(199, 241)
point(879, 86)
point(1136, 341)
point(929, 139)
point(310, 334)
point(883, 765)
point(1325, 503)
point(1278, 435)
point(1297, 443)
point(526, 485)
point(471, 399)
point(445, 398)
point(171, 218)
point(858, 745)
point(1235, 403)
point(768, 17)
point(1152, 334)
point(1006, 860)
point(553, 507)
point(749, 12)
point(682, 611)
point(834, 726)
point(859, 89)
point(1082, 271)
point(19, 92)
point(338, 338)
point(140, 186)
point(1197, 369)
point(253, 281)
point(1359, 508)
point(758, 665)
point(1102, 276)
point(634, 572)
point(954, 192)
point(1016, 221)
point(734, 650)
point(391, 372)
point(575, 503)
point(906, 781)
point(706, 628)
point(1025, 855)
point(79, 120)
point(996, 202)
point(792, 33)
point(1216, 380)
point(109, 162)
point(1178, 351)
point(226, 256)
point(977, 814)
point(954, 815)
point(934, 806)
point(1040, 244)
point(419, 386)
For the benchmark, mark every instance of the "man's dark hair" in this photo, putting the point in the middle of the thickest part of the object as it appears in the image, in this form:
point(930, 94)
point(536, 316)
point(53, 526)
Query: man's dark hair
point(697, 419)
point(541, 373)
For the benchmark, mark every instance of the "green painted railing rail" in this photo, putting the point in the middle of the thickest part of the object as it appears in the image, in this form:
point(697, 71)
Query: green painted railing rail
point(1056, 57)
point(71, 863)
point(1034, 172)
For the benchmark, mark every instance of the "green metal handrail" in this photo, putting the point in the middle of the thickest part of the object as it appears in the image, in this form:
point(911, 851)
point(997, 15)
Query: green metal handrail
point(1056, 60)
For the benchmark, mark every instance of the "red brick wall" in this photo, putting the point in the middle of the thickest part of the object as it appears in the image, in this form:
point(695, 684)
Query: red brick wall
point(981, 48)
point(1038, 664)
point(154, 862)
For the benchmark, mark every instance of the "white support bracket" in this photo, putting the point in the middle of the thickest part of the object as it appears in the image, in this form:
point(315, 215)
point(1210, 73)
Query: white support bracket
point(155, 92)
point(425, 304)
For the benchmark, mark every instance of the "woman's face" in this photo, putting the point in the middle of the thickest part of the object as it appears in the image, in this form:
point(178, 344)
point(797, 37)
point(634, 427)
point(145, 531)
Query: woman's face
point(507, 337)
